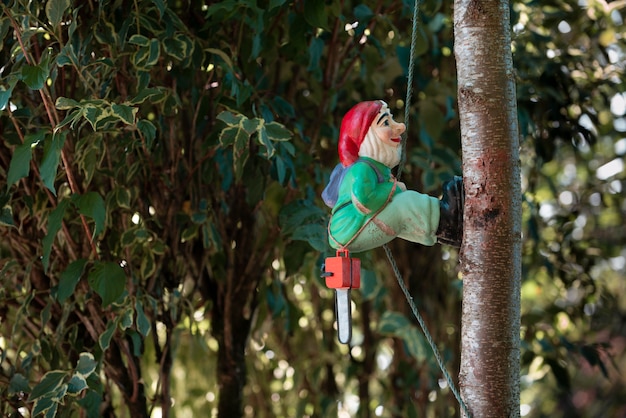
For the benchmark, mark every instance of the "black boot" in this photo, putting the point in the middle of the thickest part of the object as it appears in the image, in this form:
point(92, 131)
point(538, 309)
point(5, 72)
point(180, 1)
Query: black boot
point(450, 230)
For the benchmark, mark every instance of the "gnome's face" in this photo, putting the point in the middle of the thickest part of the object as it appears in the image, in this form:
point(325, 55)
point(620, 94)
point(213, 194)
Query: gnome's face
point(382, 142)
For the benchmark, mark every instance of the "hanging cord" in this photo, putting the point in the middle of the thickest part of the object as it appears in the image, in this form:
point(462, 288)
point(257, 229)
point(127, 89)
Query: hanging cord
point(392, 261)
point(427, 334)
point(409, 88)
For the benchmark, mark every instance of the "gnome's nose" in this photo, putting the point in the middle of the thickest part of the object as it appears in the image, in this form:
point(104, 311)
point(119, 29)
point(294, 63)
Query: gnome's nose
point(399, 128)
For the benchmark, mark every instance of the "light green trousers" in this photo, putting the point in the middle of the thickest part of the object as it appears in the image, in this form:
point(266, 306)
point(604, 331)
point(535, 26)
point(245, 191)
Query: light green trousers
point(410, 215)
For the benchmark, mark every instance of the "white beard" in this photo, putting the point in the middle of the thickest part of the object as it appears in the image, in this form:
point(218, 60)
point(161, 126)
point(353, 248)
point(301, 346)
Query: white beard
point(372, 147)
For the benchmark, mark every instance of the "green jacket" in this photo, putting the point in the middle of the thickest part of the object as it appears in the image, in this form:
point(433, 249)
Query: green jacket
point(364, 190)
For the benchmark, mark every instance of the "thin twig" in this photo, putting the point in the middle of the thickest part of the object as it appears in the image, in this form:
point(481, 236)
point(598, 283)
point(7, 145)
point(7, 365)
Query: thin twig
point(53, 117)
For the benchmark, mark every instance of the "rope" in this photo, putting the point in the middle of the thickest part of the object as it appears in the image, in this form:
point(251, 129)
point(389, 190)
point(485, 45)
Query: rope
point(427, 334)
point(390, 257)
point(409, 89)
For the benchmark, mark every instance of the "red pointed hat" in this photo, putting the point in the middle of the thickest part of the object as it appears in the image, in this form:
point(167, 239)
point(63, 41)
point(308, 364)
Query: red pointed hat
point(354, 126)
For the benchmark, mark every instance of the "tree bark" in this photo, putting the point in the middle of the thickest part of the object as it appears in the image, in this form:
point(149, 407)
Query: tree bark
point(132, 390)
point(491, 253)
point(234, 297)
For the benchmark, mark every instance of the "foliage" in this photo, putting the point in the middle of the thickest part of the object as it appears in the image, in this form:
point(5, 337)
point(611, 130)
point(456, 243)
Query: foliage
point(161, 226)
point(574, 256)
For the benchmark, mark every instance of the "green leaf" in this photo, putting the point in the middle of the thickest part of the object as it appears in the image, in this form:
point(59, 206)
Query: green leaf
point(415, 344)
point(277, 132)
point(105, 338)
point(67, 55)
point(392, 323)
point(71, 118)
point(148, 266)
point(233, 134)
point(283, 107)
point(147, 55)
point(92, 113)
point(88, 155)
point(108, 280)
point(91, 204)
point(122, 197)
point(45, 314)
point(264, 139)
point(45, 406)
point(259, 36)
point(20, 161)
point(314, 234)
point(222, 55)
point(6, 216)
point(281, 169)
point(106, 33)
point(64, 103)
point(18, 384)
point(179, 47)
point(371, 287)
point(139, 40)
point(148, 130)
point(55, 220)
point(143, 324)
point(363, 13)
point(69, 279)
point(125, 113)
point(152, 94)
point(51, 158)
point(137, 341)
point(189, 233)
point(154, 52)
point(126, 319)
point(90, 402)
point(276, 3)
point(139, 57)
point(55, 10)
point(34, 76)
point(211, 237)
point(6, 92)
point(275, 299)
point(230, 118)
point(227, 6)
point(241, 152)
point(316, 49)
point(86, 364)
point(251, 125)
point(158, 247)
point(298, 213)
point(160, 4)
point(48, 385)
point(76, 385)
point(22, 312)
point(128, 237)
point(314, 14)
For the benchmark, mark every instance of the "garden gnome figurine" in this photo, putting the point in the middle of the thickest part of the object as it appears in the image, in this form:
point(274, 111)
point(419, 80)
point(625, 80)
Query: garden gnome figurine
point(369, 206)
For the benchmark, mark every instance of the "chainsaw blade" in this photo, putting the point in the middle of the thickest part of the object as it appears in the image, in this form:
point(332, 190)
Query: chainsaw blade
point(344, 315)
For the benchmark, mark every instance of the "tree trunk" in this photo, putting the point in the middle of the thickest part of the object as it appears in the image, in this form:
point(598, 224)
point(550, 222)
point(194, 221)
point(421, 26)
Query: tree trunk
point(132, 390)
point(234, 296)
point(231, 365)
point(491, 253)
point(231, 322)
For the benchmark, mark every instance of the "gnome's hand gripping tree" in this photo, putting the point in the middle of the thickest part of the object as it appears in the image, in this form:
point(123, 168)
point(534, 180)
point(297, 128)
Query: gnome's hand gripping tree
point(370, 207)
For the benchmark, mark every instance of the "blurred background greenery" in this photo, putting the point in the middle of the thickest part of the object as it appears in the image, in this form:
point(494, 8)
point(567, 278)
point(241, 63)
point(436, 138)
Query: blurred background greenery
point(192, 140)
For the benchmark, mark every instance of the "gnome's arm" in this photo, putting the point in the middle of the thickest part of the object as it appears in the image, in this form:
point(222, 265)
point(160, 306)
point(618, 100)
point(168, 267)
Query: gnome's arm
point(368, 195)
